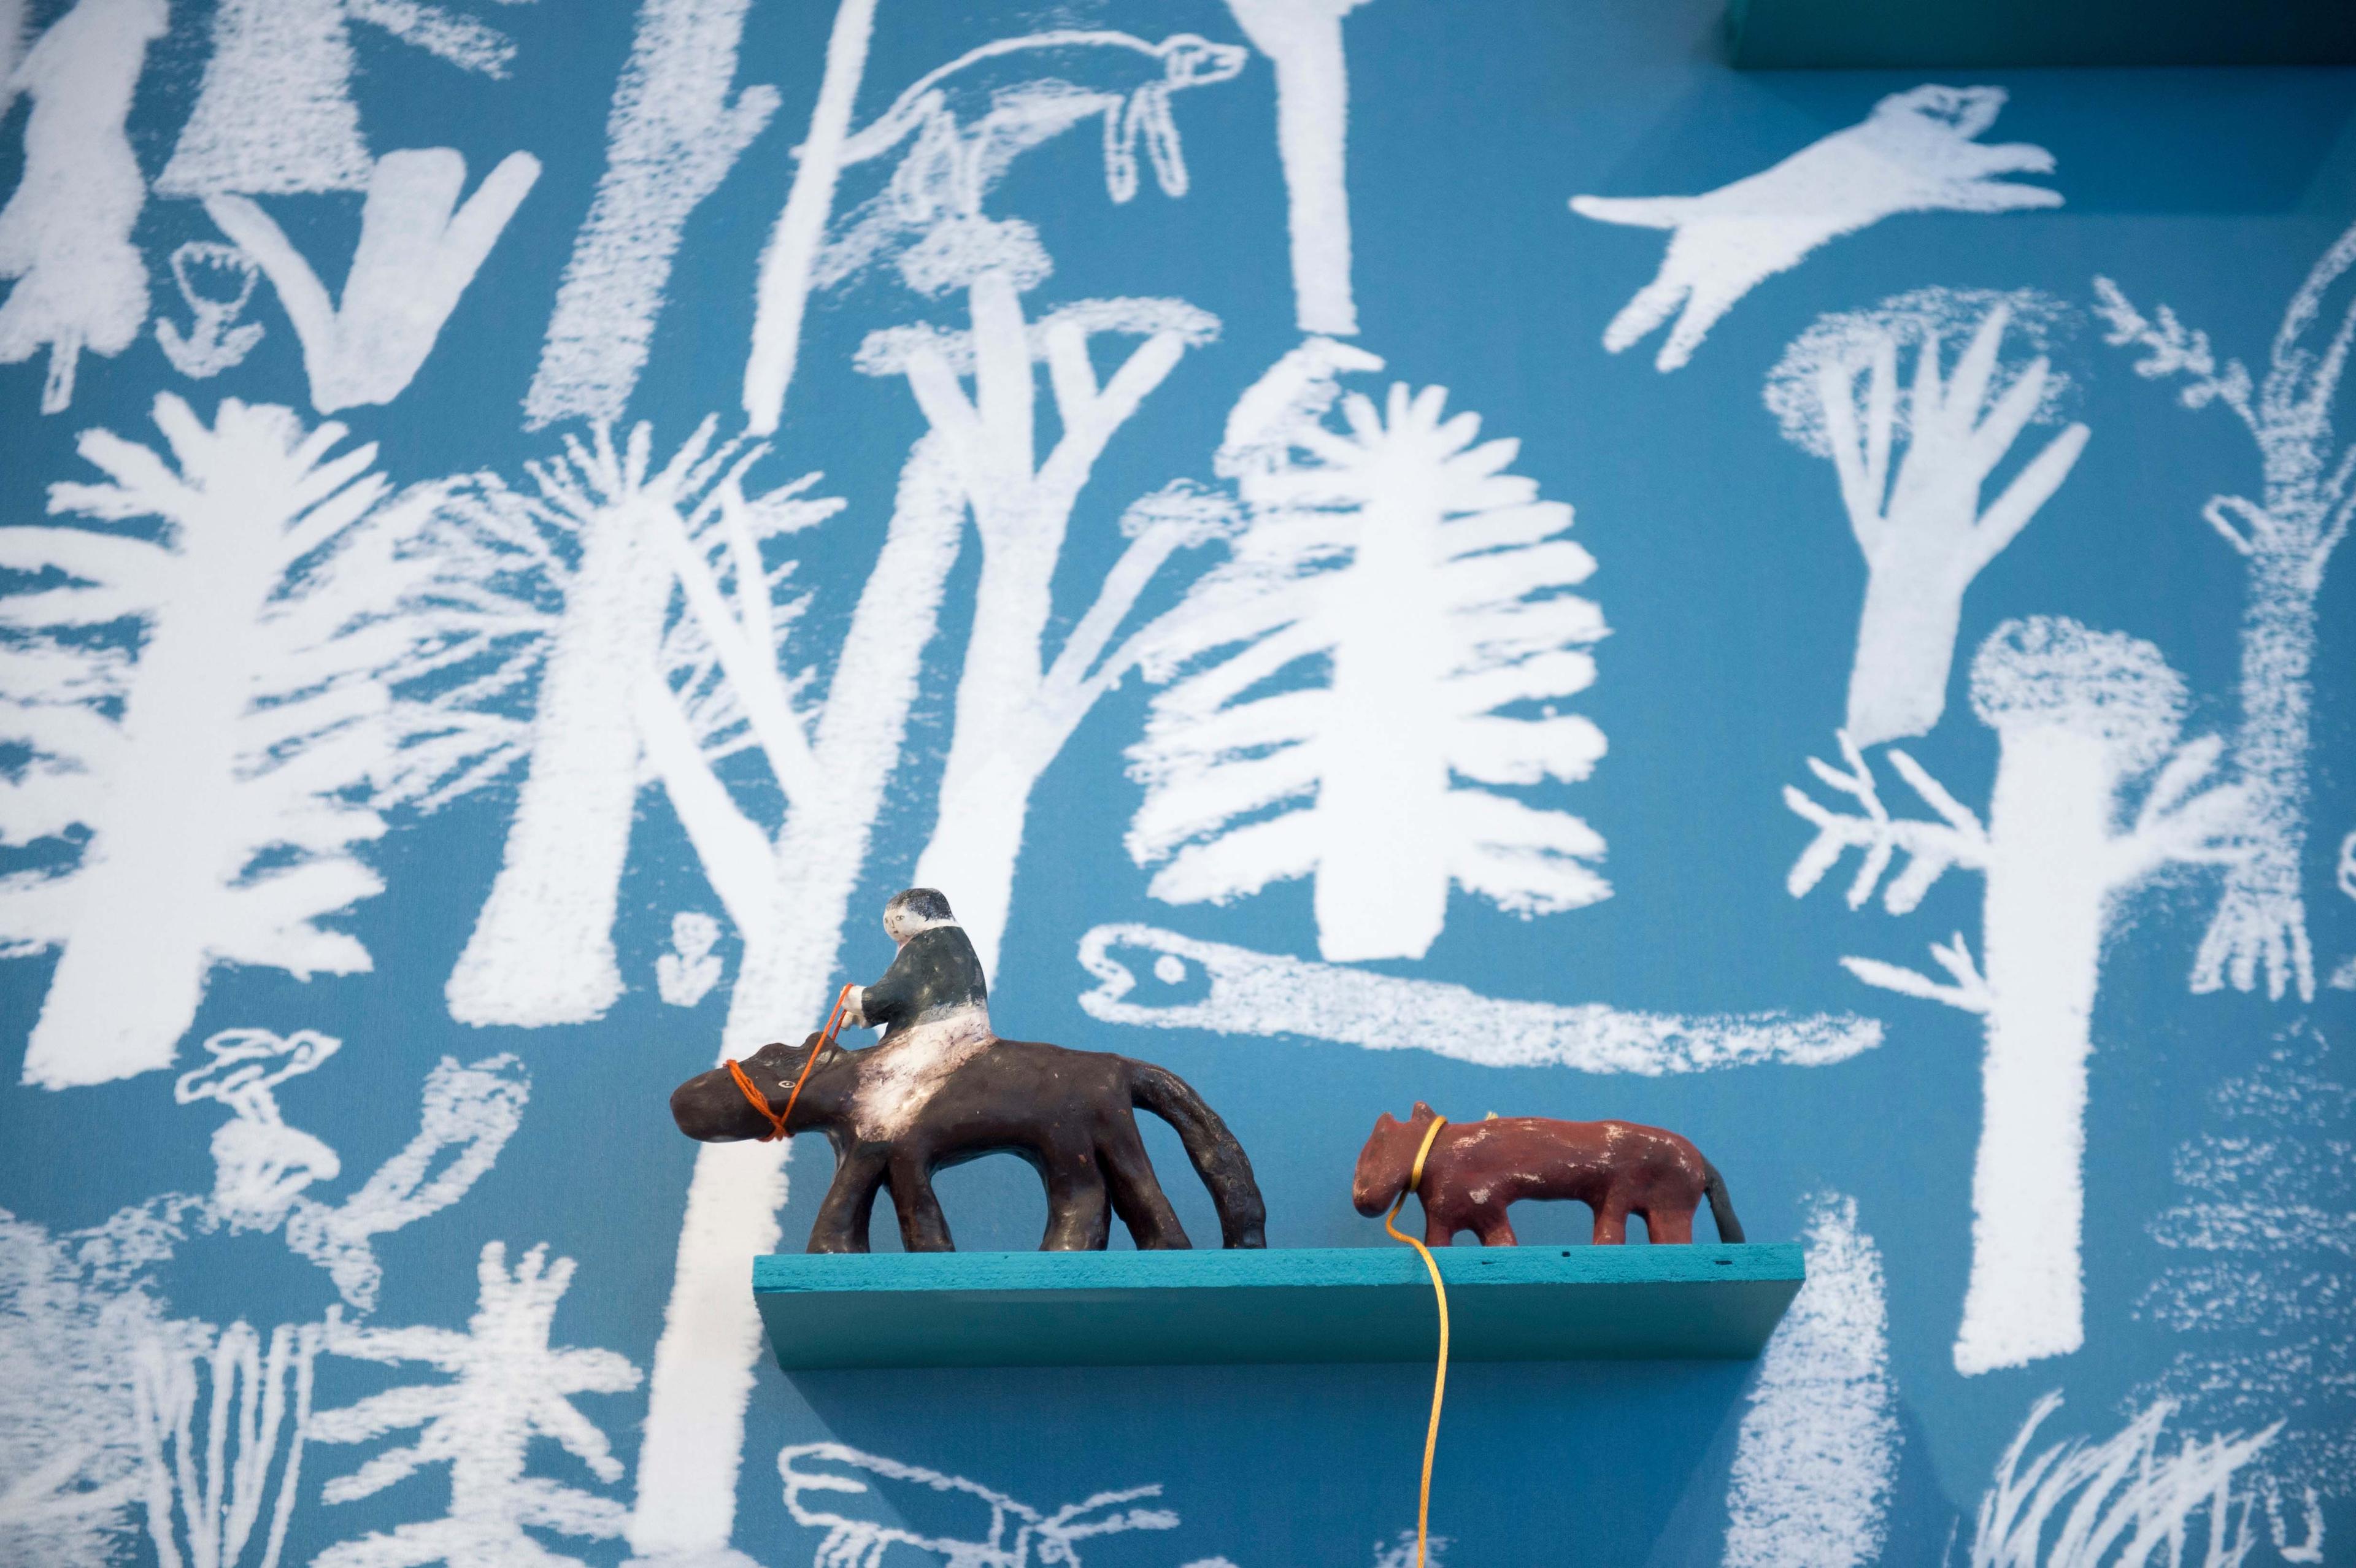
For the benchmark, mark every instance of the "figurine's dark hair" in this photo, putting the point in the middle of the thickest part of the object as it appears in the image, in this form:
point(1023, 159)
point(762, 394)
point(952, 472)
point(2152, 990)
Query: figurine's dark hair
point(925, 904)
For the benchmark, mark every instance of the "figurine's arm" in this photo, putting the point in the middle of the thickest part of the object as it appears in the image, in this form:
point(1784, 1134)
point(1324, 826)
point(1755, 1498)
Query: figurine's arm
point(888, 998)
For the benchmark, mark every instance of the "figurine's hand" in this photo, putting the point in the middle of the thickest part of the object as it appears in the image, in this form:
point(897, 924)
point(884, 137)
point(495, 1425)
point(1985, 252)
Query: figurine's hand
point(853, 1016)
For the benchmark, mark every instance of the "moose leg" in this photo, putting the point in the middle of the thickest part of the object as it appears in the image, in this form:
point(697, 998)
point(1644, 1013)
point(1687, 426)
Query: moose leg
point(1137, 1195)
point(1438, 1231)
point(842, 1223)
point(922, 1227)
point(1498, 1231)
point(1668, 1224)
point(1079, 1219)
point(1612, 1221)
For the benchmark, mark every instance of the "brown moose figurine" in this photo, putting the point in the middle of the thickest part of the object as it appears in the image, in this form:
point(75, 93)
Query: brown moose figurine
point(1476, 1170)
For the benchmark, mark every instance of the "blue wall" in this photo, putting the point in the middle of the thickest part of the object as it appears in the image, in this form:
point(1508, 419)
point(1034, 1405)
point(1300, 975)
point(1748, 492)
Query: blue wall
point(2218, 1193)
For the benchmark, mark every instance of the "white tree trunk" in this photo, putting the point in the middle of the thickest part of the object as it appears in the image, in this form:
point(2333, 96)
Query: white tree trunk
point(1905, 639)
point(2048, 884)
point(703, 1366)
point(167, 828)
point(1303, 37)
point(2261, 919)
point(543, 948)
point(1382, 793)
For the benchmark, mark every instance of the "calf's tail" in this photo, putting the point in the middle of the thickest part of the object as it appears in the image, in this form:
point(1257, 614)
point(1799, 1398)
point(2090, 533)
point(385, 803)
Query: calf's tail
point(1218, 1159)
point(1721, 1207)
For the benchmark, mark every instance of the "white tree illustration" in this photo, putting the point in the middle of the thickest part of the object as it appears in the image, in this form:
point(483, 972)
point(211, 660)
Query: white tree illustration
point(65, 234)
point(214, 1409)
point(1015, 706)
point(2123, 1502)
point(1000, 1532)
point(1917, 151)
point(507, 1386)
point(70, 1450)
point(562, 594)
point(1817, 1449)
point(676, 127)
point(2285, 538)
point(2264, 1238)
point(2079, 717)
point(222, 774)
point(418, 250)
point(275, 113)
point(1920, 520)
point(1396, 557)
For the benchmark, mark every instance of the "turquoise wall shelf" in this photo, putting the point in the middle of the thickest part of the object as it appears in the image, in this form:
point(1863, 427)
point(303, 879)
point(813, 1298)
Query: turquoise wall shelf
point(1339, 1304)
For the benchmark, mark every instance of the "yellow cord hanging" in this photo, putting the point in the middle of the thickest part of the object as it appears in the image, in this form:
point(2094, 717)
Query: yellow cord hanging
point(1438, 1378)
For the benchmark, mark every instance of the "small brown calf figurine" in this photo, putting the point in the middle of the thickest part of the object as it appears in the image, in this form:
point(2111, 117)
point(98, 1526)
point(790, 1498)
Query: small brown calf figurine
point(1477, 1169)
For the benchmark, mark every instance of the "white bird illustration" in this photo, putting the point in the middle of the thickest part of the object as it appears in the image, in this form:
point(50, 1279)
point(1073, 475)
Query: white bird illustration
point(1915, 153)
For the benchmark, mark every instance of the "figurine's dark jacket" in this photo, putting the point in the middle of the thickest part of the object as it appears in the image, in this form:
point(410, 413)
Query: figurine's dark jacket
point(938, 973)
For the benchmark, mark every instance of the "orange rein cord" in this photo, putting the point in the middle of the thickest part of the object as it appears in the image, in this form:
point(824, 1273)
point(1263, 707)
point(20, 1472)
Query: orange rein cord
point(777, 1119)
point(1439, 1378)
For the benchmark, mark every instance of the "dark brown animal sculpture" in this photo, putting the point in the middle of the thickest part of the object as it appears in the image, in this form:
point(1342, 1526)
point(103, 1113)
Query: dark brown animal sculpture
point(1066, 1112)
point(1477, 1169)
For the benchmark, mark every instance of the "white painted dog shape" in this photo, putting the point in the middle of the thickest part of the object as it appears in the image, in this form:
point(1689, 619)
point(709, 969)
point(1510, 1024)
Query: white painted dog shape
point(1915, 153)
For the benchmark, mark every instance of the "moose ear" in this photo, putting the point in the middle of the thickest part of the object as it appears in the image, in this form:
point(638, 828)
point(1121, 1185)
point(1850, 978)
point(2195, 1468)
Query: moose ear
point(1423, 1112)
point(1385, 1122)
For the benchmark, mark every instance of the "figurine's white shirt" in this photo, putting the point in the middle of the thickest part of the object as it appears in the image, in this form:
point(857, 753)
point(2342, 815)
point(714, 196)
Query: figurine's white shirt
point(902, 1075)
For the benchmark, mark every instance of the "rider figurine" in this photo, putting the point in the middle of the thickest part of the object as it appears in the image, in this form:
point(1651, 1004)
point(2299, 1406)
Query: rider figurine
point(934, 986)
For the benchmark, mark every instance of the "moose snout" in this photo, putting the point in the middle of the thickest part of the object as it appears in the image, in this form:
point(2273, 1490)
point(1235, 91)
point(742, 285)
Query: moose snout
point(700, 1114)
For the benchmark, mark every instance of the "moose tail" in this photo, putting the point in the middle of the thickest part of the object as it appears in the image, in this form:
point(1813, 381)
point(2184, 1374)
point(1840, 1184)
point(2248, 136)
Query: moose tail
point(1721, 1207)
point(1218, 1159)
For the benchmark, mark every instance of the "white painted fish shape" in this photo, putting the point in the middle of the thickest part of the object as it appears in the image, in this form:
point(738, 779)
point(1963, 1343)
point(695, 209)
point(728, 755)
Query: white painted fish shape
point(1238, 991)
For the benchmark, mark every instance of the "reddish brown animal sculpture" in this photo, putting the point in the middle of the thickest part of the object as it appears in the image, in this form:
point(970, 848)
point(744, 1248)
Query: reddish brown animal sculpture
point(1476, 1171)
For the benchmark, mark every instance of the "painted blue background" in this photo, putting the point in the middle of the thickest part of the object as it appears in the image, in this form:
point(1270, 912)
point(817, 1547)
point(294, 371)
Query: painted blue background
point(1730, 581)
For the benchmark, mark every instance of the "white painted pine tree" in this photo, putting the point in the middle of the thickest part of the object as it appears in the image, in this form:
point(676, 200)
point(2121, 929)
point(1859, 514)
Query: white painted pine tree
point(507, 1386)
point(222, 774)
point(65, 234)
point(1413, 597)
point(2082, 718)
point(1920, 520)
point(2285, 538)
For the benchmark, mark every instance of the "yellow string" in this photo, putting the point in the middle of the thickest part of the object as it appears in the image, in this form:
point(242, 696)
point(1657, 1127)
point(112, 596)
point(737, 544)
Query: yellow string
point(1438, 1378)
